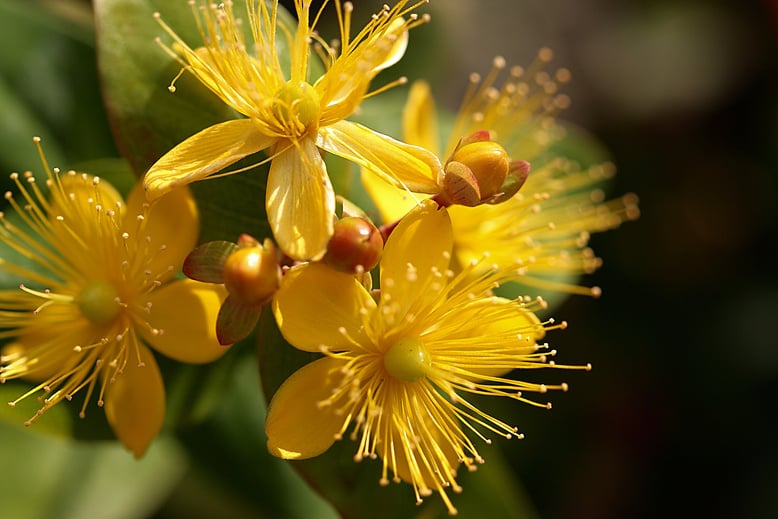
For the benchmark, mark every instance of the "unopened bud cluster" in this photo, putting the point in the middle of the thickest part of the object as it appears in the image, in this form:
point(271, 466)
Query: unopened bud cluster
point(251, 273)
point(480, 171)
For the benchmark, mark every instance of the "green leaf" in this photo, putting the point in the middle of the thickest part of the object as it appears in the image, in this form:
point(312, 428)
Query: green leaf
point(195, 391)
point(49, 85)
point(232, 462)
point(148, 120)
point(57, 421)
point(53, 477)
point(18, 126)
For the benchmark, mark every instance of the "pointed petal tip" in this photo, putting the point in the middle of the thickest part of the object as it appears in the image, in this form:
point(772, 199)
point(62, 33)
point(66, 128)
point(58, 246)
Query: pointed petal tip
point(135, 403)
point(284, 454)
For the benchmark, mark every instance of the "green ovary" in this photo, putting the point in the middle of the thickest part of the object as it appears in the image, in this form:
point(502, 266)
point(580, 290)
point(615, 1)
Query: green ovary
point(297, 102)
point(98, 301)
point(407, 360)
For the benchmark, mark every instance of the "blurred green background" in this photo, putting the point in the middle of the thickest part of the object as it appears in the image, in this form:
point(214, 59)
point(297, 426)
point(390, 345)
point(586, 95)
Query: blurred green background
point(676, 417)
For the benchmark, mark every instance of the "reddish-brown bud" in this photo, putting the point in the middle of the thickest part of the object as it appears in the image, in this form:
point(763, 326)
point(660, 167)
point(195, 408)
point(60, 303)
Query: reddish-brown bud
point(355, 246)
point(251, 273)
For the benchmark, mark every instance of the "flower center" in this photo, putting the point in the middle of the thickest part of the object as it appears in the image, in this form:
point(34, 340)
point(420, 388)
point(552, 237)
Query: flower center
point(99, 302)
point(407, 360)
point(296, 105)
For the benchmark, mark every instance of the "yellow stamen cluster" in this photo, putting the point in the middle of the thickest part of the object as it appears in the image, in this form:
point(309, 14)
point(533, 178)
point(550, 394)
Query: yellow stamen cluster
point(546, 226)
point(404, 394)
point(521, 110)
point(94, 272)
point(282, 100)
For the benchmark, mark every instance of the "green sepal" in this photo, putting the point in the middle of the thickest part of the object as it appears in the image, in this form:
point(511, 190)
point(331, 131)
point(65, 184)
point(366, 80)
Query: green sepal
point(206, 262)
point(236, 321)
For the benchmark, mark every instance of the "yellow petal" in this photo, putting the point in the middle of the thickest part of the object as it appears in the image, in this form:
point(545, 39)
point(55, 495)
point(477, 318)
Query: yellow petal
point(185, 311)
point(296, 427)
point(416, 257)
point(518, 320)
point(49, 349)
point(393, 43)
point(135, 401)
point(83, 193)
point(347, 81)
point(172, 223)
point(83, 187)
point(392, 203)
point(204, 154)
point(315, 302)
point(408, 167)
point(420, 126)
point(300, 201)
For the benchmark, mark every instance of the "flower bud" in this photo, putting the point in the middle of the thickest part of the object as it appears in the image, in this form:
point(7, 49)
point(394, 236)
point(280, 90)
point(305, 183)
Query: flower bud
point(460, 186)
point(519, 171)
point(489, 163)
point(477, 136)
point(251, 274)
point(355, 246)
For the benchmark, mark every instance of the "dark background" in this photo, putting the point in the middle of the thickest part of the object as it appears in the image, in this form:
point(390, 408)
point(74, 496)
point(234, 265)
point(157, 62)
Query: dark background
point(677, 417)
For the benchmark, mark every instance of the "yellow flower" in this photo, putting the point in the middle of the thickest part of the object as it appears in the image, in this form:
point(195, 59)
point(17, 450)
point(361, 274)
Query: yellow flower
point(99, 289)
point(398, 372)
point(291, 116)
point(546, 226)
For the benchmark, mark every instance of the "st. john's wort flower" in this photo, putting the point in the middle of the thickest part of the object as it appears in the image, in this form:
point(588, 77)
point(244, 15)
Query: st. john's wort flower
point(99, 290)
point(291, 115)
point(399, 371)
